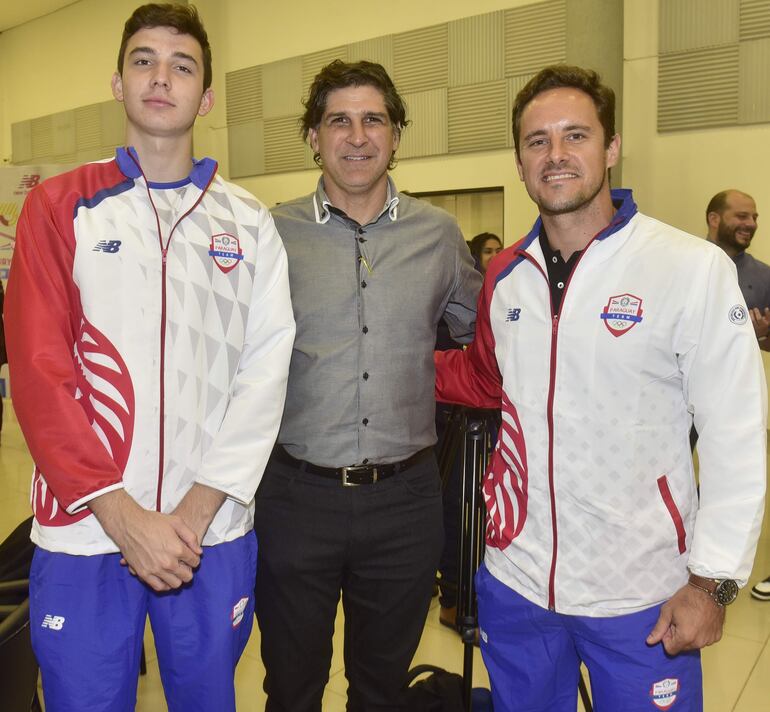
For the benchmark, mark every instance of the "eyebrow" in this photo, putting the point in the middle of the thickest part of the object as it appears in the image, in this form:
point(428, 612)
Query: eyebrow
point(150, 50)
point(566, 129)
point(336, 114)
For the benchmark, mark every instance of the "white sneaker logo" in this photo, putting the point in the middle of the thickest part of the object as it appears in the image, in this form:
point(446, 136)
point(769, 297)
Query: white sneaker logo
point(238, 610)
point(53, 622)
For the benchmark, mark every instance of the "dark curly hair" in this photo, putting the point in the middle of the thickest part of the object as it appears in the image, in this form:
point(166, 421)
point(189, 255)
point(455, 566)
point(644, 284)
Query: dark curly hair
point(340, 75)
point(183, 18)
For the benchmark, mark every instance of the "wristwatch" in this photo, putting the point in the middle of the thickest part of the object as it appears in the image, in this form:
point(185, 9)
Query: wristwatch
point(722, 591)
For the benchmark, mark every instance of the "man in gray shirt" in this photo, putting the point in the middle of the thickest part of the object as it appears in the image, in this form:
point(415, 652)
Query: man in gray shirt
point(351, 499)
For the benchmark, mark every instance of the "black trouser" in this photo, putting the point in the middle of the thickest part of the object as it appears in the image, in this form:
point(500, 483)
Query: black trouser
point(379, 544)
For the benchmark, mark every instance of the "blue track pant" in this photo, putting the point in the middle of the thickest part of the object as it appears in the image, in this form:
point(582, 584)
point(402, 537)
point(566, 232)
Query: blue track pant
point(533, 657)
point(87, 617)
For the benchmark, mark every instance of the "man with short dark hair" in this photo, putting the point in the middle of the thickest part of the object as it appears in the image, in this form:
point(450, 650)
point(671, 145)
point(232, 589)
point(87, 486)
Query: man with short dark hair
point(598, 548)
point(149, 334)
point(351, 499)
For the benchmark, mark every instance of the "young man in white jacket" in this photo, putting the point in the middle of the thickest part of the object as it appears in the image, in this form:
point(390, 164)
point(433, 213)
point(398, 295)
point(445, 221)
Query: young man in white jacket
point(149, 332)
point(602, 335)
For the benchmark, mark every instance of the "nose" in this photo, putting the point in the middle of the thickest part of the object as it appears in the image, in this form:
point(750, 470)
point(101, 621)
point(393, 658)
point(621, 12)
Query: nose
point(357, 134)
point(556, 151)
point(161, 77)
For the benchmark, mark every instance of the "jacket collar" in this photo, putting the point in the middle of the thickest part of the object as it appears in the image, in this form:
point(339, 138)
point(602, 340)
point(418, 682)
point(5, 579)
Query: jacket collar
point(622, 199)
point(201, 174)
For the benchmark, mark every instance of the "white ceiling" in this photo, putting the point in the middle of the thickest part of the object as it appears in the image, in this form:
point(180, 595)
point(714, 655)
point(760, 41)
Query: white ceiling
point(17, 12)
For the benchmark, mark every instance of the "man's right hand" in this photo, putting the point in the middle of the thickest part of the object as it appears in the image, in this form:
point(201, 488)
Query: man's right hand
point(159, 548)
point(761, 321)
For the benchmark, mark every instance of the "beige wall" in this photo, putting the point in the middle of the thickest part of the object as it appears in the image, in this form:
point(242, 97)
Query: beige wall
point(59, 62)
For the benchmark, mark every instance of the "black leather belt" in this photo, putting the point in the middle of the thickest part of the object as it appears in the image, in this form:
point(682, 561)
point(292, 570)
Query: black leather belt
point(356, 474)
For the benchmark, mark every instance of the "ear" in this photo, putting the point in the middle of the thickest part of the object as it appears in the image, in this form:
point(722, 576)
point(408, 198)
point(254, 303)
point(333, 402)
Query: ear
point(713, 219)
point(312, 137)
point(613, 151)
point(396, 140)
point(207, 102)
point(117, 86)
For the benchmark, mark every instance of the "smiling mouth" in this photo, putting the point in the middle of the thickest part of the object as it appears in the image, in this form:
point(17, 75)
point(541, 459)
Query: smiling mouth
point(357, 158)
point(559, 176)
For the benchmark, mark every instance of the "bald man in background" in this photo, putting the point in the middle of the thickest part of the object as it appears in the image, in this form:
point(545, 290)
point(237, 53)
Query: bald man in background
point(732, 221)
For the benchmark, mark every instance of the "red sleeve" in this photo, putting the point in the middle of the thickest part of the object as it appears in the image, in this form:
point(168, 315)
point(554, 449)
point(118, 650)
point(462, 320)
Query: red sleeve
point(43, 317)
point(472, 377)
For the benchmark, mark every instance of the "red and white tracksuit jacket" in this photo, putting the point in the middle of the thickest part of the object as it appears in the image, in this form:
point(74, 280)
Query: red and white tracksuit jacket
point(591, 496)
point(140, 360)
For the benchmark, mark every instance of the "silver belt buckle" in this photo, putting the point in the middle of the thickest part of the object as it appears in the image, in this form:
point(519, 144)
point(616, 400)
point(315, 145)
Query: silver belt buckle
point(345, 470)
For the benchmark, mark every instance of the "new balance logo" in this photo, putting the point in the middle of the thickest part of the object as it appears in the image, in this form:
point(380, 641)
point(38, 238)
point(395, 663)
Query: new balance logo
point(28, 181)
point(513, 315)
point(108, 246)
point(53, 622)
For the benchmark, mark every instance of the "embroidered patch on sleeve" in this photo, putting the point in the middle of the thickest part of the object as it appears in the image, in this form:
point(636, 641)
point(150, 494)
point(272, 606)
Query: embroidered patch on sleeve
point(738, 314)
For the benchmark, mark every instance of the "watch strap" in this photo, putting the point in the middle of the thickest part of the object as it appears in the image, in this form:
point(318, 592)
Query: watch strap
point(722, 591)
point(705, 584)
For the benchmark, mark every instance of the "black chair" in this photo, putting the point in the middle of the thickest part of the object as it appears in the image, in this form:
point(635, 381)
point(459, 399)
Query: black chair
point(16, 552)
point(18, 667)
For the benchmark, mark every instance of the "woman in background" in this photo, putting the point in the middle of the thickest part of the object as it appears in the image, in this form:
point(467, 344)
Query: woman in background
point(483, 248)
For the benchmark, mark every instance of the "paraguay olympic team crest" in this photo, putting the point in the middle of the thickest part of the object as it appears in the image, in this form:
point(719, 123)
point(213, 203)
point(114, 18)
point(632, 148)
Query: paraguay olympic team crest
point(622, 314)
point(226, 251)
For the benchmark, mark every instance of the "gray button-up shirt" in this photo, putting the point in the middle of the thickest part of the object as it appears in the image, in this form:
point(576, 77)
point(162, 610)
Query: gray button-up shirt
point(366, 301)
point(754, 280)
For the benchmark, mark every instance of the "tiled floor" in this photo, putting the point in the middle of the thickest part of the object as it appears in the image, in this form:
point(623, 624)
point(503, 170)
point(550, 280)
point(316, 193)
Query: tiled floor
point(736, 670)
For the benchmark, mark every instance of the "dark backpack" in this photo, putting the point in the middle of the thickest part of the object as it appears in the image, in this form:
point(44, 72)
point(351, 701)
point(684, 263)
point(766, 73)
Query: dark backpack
point(440, 691)
point(15, 559)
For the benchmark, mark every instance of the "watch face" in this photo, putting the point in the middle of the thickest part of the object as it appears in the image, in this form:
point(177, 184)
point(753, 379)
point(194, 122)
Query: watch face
point(727, 592)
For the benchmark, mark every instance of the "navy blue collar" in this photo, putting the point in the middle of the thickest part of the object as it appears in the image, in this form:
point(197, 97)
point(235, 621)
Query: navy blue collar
point(622, 199)
point(200, 176)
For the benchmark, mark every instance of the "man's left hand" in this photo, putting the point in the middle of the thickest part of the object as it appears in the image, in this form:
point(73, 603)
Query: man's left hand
point(690, 620)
